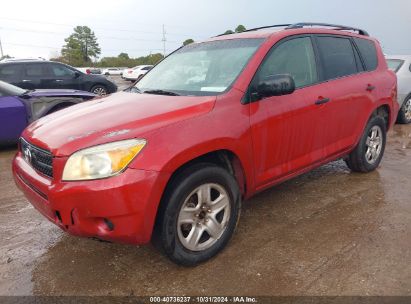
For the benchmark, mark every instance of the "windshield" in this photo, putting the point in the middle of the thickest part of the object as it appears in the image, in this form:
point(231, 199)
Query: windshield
point(394, 64)
point(207, 68)
point(7, 89)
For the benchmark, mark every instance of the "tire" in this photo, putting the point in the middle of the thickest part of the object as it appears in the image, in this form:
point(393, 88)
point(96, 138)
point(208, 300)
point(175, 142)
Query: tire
point(181, 212)
point(107, 74)
point(404, 115)
point(368, 153)
point(99, 90)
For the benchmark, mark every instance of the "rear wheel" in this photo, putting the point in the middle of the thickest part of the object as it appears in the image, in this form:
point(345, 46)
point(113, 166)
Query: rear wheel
point(367, 155)
point(404, 115)
point(199, 214)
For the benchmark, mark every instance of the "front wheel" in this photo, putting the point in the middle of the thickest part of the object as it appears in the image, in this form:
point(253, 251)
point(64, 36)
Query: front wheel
point(368, 153)
point(99, 90)
point(198, 215)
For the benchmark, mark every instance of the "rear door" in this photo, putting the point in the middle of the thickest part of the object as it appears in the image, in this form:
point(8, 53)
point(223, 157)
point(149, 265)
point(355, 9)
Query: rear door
point(346, 92)
point(285, 129)
point(37, 76)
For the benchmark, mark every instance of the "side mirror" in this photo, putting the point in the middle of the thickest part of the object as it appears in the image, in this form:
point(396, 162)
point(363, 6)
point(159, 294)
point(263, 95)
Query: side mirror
point(77, 74)
point(276, 85)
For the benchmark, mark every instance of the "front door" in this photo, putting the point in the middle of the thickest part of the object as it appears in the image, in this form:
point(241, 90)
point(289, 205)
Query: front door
point(285, 128)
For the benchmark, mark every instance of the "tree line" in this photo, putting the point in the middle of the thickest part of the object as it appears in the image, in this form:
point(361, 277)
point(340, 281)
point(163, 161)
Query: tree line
point(81, 49)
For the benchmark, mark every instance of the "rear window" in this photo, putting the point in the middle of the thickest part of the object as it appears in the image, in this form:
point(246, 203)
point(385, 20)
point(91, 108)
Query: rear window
point(368, 53)
point(10, 70)
point(395, 64)
point(337, 55)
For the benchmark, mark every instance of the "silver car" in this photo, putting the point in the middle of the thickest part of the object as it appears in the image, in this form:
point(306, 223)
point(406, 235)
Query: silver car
point(401, 65)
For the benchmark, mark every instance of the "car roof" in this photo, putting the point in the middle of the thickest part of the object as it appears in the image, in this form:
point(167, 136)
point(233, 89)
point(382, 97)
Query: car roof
point(294, 29)
point(30, 61)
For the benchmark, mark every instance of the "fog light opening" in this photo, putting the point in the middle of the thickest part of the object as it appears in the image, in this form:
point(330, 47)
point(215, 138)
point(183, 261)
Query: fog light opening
point(109, 224)
point(58, 216)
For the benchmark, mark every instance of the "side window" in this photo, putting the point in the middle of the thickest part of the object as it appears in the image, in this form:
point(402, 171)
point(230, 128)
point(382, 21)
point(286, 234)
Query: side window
point(368, 53)
point(294, 57)
point(36, 70)
point(337, 55)
point(10, 70)
point(61, 71)
point(146, 68)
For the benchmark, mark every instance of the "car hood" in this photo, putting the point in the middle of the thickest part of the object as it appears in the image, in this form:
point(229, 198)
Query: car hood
point(116, 117)
point(58, 93)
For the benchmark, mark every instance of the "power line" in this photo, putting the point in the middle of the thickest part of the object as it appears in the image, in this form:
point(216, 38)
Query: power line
point(58, 48)
point(99, 36)
point(103, 28)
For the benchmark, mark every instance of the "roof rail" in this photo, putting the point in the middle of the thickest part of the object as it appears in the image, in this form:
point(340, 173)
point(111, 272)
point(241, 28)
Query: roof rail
point(304, 24)
point(334, 26)
point(268, 26)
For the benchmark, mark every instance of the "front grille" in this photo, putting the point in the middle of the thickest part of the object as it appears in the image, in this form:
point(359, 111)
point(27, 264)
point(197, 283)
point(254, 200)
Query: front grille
point(41, 160)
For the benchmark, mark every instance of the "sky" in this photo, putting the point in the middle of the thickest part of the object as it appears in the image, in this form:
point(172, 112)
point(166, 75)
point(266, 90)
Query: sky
point(38, 28)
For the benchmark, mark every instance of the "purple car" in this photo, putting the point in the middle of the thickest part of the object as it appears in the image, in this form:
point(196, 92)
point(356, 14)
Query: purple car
point(19, 107)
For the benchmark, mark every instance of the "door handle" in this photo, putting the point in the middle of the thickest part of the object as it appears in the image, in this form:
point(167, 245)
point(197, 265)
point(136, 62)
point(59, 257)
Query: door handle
point(370, 88)
point(59, 80)
point(321, 101)
point(26, 80)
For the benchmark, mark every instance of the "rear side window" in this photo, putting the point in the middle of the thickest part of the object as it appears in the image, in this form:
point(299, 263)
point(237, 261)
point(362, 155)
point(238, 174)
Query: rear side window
point(395, 64)
point(36, 70)
point(10, 70)
point(337, 56)
point(368, 53)
point(146, 68)
point(294, 57)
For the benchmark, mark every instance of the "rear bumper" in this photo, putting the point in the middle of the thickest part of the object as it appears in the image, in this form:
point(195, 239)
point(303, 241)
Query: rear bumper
point(121, 208)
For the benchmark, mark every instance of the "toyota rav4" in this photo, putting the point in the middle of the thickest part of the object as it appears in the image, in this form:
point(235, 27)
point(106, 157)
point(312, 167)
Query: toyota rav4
point(172, 158)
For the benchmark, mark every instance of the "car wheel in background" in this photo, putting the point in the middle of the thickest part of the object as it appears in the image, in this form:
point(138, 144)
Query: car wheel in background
point(99, 90)
point(404, 115)
point(198, 215)
point(367, 155)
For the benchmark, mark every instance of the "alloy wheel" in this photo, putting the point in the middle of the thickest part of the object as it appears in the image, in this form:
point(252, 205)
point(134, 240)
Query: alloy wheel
point(374, 144)
point(203, 217)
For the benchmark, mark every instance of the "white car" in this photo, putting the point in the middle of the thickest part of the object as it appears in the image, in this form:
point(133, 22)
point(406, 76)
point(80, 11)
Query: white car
point(401, 65)
point(112, 71)
point(136, 73)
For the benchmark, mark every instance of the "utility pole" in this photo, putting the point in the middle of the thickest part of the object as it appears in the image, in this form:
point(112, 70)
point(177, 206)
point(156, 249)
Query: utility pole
point(164, 41)
point(1, 49)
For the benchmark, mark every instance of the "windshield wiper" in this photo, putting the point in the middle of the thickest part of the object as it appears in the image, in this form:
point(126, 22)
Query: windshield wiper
point(161, 92)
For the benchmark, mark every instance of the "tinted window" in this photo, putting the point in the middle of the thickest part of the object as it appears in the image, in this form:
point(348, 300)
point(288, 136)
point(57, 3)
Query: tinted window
point(146, 68)
point(337, 56)
point(36, 70)
point(368, 53)
point(61, 71)
point(395, 64)
point(294, 57)
point(10, 70)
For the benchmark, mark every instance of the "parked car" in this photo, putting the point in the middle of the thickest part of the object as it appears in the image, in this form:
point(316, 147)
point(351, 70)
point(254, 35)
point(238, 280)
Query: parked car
point(32, 75)
point(401, 65)
point(136, 73)
point(112, 71)
point(172, 159)
point(19, 107)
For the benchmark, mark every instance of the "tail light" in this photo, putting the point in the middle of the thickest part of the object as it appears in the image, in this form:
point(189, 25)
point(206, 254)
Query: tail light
point(130, 72)
point(88, 71)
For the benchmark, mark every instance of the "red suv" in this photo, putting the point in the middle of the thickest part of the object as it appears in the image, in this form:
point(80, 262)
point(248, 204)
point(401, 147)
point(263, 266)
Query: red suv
point(172, 158)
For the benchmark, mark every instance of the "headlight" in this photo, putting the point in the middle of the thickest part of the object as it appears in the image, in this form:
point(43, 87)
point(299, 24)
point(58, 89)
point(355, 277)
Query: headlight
point(102, 161)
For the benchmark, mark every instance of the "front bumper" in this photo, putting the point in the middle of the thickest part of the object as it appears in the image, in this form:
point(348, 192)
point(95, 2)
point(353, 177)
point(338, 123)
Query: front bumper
point(121, 208)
